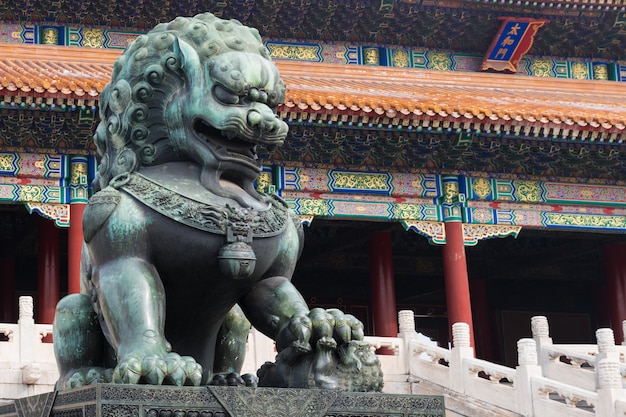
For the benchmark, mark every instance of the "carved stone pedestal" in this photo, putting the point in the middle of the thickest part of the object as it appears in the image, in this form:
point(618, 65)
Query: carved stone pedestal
point(107, 400)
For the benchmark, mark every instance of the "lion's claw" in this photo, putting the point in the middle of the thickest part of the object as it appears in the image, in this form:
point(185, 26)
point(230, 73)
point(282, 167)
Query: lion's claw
point(157, 369)
point(82, 377)
point(76, 380)
point(327, 343)
point(128, 371)
point(234, 379)
point(250, 380)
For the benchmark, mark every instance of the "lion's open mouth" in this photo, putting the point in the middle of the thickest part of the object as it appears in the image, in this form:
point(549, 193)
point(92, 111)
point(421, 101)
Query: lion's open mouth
point(225, 142)
point(235, 165)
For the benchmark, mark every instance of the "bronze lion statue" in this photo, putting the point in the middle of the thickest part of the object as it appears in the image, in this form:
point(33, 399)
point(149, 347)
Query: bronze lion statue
point(181, 252)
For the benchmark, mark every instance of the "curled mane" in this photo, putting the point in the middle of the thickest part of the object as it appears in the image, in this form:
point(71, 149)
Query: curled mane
point(132, 132)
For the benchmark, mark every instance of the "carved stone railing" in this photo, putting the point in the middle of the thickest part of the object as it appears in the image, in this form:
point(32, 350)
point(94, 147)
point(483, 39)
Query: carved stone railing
point(576, 364)
point(552, 398)
point(458, 370)
point(550, 379)
point(27, 364)
point(430, 360)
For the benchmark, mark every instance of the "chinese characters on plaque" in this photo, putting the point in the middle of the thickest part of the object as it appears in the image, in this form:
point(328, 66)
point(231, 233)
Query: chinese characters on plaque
point(514, 39)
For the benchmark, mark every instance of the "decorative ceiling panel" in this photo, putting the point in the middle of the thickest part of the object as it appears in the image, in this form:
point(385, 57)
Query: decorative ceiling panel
point(576, 29)
point(498, 157)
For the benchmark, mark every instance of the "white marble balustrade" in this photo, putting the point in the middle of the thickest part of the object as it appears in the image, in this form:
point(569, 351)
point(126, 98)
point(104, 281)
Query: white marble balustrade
point(27, 364)
point(550, 379)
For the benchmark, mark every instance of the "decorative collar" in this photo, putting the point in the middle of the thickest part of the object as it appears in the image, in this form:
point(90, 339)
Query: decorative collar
point(234, 222)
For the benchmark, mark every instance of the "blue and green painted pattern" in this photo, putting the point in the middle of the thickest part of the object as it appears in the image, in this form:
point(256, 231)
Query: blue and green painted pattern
point(324, 180)
point(330, 52)
point(90, 37)
point(621, 71)
point(489, 189)
point(45, 178)
point(405, 196)
point(324, 191)
point(582, 221)
point(374, 195)
point(79, 179)
point(33, 165)
point(360, 209)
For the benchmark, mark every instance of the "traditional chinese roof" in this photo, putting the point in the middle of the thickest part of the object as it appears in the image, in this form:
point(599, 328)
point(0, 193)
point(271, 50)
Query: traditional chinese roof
point(444, 99)
point(380, 115)
point(361, 94)
point(54, 72)
point(576, 28)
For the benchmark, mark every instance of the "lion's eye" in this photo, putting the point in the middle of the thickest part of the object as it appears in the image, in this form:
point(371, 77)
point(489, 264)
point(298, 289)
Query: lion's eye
point(272, 99)
point(224, 95)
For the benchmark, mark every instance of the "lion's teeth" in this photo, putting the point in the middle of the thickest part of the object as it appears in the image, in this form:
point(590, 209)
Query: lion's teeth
point(230, 134)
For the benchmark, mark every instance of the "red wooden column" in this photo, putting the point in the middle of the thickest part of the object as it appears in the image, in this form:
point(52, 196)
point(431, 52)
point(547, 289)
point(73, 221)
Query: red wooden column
point(385, 316)
point(78, 201)
point(48, 272)
point(7, 291)
point(456, 279)
point(453, 254)
point(615, 269)
point(74, 247)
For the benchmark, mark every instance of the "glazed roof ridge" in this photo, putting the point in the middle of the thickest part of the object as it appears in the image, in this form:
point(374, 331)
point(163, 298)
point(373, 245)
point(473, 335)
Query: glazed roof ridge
point(374, 91)
point(486, 98)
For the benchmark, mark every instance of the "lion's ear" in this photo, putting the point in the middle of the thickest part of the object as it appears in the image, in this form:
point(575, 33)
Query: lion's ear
point(190, 61)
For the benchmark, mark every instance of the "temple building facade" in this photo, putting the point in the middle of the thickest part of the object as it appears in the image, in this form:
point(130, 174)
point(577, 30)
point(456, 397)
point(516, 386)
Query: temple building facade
point(464, 159)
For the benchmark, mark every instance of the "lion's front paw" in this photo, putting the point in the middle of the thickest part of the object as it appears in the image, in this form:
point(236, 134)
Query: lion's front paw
point(346, 327)
point(82, 377)
point(158, 369)
point(234, 379)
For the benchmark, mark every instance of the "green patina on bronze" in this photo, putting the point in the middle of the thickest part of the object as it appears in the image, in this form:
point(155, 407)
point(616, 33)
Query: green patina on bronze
point(181, 253)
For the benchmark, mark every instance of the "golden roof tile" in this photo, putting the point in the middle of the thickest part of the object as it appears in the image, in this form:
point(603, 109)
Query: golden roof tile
point(362, 91)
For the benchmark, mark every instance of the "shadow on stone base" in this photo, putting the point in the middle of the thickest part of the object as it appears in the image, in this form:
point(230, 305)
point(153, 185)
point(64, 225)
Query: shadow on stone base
point(109, 400)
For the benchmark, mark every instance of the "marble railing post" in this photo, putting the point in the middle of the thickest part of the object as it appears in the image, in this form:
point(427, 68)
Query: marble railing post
point(461, 349)
point(26, 324)
point(623, 342)
point(407, 332)
point(606, 345)
point(527, 369)
point(609, 387)
point(31, 370)
point(541, 335)
point(608, 376)
point(406, 323)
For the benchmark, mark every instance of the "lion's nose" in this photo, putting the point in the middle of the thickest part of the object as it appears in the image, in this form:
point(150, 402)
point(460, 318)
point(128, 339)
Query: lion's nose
point(262, 122)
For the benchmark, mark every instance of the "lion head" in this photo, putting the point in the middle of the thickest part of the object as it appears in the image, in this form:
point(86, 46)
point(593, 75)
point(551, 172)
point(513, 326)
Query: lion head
point(198, 89)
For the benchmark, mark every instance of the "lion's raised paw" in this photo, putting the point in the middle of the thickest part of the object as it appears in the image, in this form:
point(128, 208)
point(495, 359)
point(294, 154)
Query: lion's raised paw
point(158, 369)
